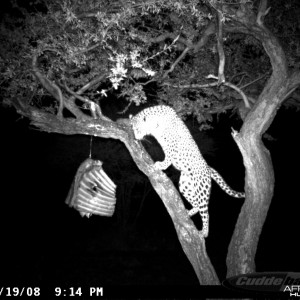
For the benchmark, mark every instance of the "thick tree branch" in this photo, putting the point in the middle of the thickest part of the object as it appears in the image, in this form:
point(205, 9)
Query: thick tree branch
point(186, 43)
point(192, 243)
point(210, 30)
point(221, 75)
point(199, 86)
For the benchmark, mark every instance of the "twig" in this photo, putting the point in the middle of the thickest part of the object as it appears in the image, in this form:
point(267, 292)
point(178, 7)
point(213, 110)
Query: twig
point(181, 56)
point(94, 107)
point(257, 79)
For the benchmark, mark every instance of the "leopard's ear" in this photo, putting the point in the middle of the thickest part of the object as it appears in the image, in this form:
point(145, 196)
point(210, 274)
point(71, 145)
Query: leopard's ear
point(130, 117)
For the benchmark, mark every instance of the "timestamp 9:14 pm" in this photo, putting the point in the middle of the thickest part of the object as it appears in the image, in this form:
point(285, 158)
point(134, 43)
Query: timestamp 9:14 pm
point(78, 291)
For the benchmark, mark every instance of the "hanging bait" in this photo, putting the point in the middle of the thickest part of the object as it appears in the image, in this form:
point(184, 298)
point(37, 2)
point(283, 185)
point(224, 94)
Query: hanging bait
point(92, 191)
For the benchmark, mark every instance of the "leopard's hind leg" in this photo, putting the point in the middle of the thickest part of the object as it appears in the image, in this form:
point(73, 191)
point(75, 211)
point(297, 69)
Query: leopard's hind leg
point(198, 198)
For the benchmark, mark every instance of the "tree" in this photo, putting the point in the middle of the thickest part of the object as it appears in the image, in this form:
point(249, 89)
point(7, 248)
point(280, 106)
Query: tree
point(61, 59)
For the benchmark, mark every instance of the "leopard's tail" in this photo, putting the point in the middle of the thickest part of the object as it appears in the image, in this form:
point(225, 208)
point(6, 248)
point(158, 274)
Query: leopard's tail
point(223, 185)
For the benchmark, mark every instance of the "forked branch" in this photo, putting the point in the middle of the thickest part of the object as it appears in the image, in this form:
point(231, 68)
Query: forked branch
point(50, 86)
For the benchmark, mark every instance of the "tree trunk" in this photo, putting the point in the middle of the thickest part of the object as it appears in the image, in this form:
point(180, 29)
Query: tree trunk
point(259, 190)
point(259, 180)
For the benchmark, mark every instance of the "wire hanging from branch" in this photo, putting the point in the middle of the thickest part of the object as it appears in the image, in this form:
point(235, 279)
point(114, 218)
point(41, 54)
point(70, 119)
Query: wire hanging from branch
point(91, 145)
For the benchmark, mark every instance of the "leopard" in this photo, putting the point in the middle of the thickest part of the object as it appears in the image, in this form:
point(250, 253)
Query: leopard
point(181, 151)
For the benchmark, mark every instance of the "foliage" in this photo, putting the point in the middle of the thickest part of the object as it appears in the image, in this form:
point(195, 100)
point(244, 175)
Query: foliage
point(144, 49)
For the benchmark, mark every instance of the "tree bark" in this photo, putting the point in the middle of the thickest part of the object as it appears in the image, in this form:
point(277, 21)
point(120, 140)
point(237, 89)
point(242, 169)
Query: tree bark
point(259, 180)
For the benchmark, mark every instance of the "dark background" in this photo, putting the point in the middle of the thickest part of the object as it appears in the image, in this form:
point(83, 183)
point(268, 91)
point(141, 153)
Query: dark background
point(43, 240)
